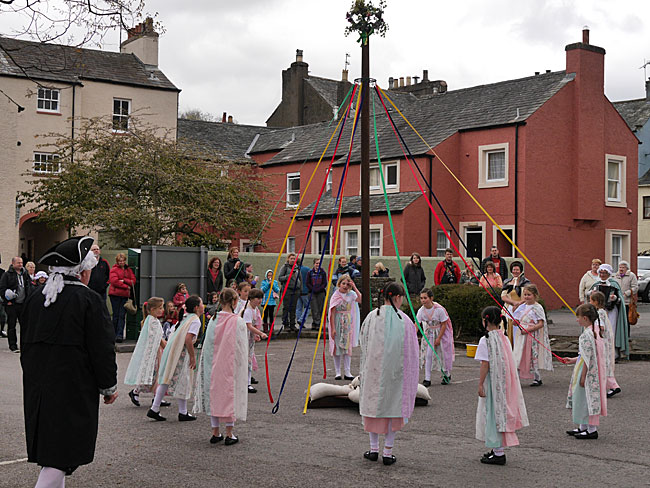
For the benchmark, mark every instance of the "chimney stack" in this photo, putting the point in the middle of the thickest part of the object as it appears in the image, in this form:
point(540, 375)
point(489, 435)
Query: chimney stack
point(585, 34)
point(390, 82)
point(344, 75)
point(223, 117)
point(298, 55)
point(401, 81)
point(415, 80)
point(425, 75)
point(230, 119)
point(408, 81)
point(142, 41)
point(647, 89)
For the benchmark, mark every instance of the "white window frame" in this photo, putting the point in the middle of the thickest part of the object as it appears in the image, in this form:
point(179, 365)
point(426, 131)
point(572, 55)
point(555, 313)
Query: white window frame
point(621, 200)
point(462, 227)
point(626, 242)
point(244, 243)
point(440, 251)
point(291, 245)
point(483, 153)
point(47, 160)
point(328, 184)
point(314, 240)
point(42, 97)
point(293, 192)
point(495, 235)
point(343, 250)
point(381, 240)
point(120, 115)
point(374, 190)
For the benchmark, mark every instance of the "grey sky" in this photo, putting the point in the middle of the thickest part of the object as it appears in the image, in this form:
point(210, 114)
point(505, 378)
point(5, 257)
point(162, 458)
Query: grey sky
point(228, 56)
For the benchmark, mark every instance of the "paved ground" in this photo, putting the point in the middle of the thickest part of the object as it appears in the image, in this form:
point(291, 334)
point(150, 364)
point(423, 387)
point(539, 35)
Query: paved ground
point(324, 447)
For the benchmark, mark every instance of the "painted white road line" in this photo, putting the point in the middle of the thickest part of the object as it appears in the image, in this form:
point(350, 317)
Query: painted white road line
point(4, 463)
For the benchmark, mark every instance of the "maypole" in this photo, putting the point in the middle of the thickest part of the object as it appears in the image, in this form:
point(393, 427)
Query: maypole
point(365, 19)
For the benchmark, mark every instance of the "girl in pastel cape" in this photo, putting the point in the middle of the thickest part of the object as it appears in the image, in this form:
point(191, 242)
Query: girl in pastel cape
point(598, 300)
point(343, 324)
point(438, 329)
point(389, 372)
point(253, 319)
point(501, 409)
point(587, 398)
point(222, 374)
point(142, 371)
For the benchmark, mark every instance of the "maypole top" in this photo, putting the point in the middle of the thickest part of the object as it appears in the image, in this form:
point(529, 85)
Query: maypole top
point(366, 19)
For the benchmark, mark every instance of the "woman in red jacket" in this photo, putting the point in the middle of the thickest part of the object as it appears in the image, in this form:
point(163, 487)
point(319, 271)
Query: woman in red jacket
point(121, 279)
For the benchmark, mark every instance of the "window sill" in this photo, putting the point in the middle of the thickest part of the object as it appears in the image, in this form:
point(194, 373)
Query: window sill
point(39, 173)
point(493, 184)
point(616, 204)
point(47, 112)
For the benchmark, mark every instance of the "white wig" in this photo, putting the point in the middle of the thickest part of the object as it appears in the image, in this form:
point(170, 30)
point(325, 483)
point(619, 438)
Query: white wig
point(55, 283)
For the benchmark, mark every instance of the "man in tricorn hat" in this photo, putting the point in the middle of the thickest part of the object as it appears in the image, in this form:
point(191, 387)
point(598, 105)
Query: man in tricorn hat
point(68, 361)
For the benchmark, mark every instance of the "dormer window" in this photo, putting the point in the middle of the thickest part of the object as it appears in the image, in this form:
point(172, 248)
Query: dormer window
point(48, 100)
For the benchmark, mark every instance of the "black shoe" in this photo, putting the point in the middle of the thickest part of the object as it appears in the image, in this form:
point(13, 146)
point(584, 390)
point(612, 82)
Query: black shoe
point(252, 389)
point(231, 440)
point(349, 378)
point(388, 460)
point(586, 435)
point(536, 383)
point(134, 398)
point(293, 328)
point(613, 392)
point(216, 438)
point(426, 383)
point(494, 459)
point(3, 333)
point(488, 454)
point(254, 381)
point(155, 415)
point(165, 404)
point(371, 456)
point(119, 340)
point(575, 432)
point(185, 417)
point(338, 378)
point(15, 350)
point(446, 380)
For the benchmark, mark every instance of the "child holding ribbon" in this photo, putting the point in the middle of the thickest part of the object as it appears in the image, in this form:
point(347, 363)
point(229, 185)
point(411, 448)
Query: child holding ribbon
point(438, 329)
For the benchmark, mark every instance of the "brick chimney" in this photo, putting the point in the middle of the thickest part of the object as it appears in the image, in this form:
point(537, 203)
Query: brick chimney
point(588, 64)
point(142, 41)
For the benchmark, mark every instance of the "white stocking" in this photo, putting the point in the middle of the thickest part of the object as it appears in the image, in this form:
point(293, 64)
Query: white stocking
point(182, 406)
point(337, 364)
point(157, 400)
point(347, 361)
point(51, 478)
point(374, 442)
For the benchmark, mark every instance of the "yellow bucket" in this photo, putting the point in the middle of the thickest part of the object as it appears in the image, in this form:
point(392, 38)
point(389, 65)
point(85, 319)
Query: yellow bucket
point(471, 350)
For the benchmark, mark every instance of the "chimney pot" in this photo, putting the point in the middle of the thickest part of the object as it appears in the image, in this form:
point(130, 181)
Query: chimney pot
point(425, 75)
point(223, 117)
point(536, 73)
point(395, 83)
point(585, 34)
point(298, 55)
point(548, 70)
point(401, 81)
point(408, 81)
point(230, 119)
point(415, 80)
point(390, 82)
point(344, 75)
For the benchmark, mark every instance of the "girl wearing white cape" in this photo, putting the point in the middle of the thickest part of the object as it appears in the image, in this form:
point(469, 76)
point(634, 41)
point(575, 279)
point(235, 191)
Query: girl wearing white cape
point(501, 410)
point(178, 362)
point(389, 372)
point(343, 324)
point(142, 371)
point(222, 375)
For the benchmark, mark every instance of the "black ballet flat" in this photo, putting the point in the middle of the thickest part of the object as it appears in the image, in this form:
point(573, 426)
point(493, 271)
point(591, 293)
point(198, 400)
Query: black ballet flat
point(446, 380)
point(134, 398)
point(165, 403)
point(338, 378)
point(388, 460)
point(575, 432)
point(349, 378)
point(586, 435)
point(252, 389)
point(185, 417)
point(371, 456)
point(216, 438)
point(493, 459)
point(231, 440)
point(155, 415)
point(254, 381)
point(613, 392)
point(537, 383)
point(426, 383)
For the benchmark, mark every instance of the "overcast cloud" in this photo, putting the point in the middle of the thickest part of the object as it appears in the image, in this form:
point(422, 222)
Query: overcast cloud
point(228, 56)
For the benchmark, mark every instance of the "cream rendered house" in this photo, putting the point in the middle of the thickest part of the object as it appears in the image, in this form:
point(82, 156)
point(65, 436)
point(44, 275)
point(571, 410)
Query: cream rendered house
point(49, 88)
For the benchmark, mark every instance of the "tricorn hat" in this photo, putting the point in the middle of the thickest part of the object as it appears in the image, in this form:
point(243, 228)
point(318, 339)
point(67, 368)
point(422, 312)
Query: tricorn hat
point(70, 252)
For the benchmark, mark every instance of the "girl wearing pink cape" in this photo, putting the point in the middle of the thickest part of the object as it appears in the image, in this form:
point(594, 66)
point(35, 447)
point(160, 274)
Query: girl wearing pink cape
point(438, 329)
point(501, 409)
point(343, 324)
point(389, 372)
point(222, 375)
point(587, 391)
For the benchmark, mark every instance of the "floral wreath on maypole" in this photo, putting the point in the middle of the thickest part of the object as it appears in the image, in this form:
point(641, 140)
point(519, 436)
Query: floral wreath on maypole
point(366, 19)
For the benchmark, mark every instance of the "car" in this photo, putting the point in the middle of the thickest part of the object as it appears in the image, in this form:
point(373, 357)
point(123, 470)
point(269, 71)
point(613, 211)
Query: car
point(644, 289)
point(642, 265)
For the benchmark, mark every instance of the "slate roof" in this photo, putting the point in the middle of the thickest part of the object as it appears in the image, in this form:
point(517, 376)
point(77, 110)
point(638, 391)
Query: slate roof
point(645, 179)
point(635, 112)
point(230, 141)
point(325, 87)
point(54, 62)
point(436, 117)
point(352, 205)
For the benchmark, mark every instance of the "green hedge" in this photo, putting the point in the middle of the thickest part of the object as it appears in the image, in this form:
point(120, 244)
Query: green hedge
point(463, 304)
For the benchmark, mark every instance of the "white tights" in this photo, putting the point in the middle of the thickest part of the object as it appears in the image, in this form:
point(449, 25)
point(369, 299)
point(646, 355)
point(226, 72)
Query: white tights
point(215, 421)
point(50, 478)
point(428, 360)
point(589, 428)
point(389, 441)
point(347, 361)
point(160, 394)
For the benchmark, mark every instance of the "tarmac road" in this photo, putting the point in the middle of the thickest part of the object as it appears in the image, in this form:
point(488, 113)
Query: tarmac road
point(324, 447)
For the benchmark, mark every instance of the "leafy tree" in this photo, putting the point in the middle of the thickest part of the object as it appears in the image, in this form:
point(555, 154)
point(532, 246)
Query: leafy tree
point(146, 189)
point(197, 114)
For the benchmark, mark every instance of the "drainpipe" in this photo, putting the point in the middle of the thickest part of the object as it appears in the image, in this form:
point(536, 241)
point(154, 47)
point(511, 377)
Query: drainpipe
point(516, 231)
point(72, 128)
point(430, 199)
